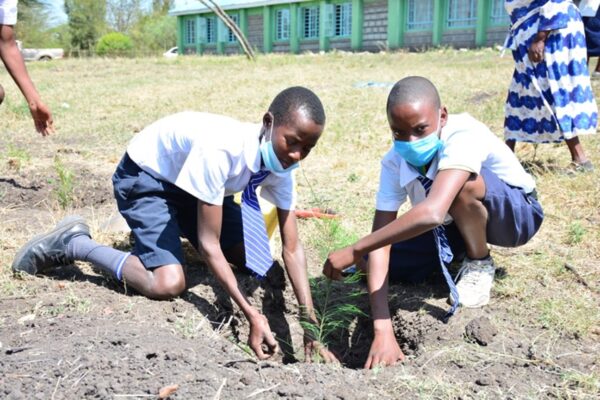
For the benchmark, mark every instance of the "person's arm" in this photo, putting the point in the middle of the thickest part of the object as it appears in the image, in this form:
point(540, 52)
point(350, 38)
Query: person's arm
point(295, 265)
point(537, 47)
point(11, 56)
point(421, 218)
point(209, 231)
point(384, 348)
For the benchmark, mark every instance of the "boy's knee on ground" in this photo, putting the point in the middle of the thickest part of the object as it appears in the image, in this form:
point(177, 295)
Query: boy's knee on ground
point(168, 282)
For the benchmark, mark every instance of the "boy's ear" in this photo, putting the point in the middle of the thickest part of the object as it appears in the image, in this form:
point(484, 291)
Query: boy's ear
point(443, 116)
point(268, 119)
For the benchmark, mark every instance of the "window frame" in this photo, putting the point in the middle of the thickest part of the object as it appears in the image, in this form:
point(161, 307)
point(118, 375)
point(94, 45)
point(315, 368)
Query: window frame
point(497, 6)
point(231, 39)
point(461, 23)
point(419, 25)
point(303, 27)
point(338, 30)
point(190, 27)
point(286, 29)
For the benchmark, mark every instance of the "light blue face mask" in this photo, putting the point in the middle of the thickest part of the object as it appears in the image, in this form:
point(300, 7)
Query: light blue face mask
point(270, 159)
point(420, 152)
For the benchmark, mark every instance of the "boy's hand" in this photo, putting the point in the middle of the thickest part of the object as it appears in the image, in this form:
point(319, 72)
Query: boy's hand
point(313, 348)
point(337, 261)
point(260, 333)
point(42, 117)
point(384, 350)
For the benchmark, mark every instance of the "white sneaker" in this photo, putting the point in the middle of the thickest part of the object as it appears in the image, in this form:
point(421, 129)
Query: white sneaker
point(474, 282)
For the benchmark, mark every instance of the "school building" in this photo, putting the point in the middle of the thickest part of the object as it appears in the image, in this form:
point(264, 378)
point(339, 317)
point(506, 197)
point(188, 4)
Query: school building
point(298, 26)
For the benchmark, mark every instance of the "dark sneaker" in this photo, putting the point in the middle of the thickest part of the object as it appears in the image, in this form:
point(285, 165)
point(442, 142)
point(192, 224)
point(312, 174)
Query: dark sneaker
point(49, 249)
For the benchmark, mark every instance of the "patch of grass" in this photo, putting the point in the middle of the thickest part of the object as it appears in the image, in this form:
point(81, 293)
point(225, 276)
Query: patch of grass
point(65, 184)
point(571, 315)
point(189, 326)
point(578, 383)
point(331, 235)
point(17, 157)
point(576, 232)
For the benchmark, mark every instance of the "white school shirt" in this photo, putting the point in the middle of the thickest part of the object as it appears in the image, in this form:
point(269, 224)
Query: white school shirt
point(468, 145)
point(209, 156)
point(8, 12)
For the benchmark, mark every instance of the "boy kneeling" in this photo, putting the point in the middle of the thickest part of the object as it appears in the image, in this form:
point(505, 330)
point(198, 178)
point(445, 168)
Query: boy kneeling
point(467, 189)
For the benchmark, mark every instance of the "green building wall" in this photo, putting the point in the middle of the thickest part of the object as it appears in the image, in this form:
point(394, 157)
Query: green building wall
point(396, 36)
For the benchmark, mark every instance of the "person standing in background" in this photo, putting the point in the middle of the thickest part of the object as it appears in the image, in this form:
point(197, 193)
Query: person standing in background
point(13, 60)
point(550, 98)
point(590, 13)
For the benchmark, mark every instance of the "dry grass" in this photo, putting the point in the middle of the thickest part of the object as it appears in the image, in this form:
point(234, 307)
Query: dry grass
point(100, 104)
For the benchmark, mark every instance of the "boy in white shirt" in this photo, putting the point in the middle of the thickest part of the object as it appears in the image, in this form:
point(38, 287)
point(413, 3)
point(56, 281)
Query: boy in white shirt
point(12, 59)
point(178, 178)
point(467, 189)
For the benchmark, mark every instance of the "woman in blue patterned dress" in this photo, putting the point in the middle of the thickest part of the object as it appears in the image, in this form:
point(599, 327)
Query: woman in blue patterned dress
point(550, 98)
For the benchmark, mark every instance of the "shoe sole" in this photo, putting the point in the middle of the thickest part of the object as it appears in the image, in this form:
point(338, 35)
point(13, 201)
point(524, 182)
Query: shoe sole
point(63, 225)
point(480, 304)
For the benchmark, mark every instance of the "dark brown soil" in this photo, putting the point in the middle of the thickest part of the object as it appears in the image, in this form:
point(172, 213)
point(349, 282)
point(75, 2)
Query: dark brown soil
point(74, 334)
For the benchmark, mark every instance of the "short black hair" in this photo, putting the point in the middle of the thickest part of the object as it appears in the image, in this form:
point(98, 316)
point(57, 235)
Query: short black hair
point(412, 89)
point(297, 98)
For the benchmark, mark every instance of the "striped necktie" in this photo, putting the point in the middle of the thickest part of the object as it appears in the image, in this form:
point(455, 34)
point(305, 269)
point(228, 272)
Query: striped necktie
point(256, 241)
point(444, 253)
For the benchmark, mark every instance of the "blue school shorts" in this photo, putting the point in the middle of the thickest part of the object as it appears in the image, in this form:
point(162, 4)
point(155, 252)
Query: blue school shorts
point(513, 218)
point(159, 214)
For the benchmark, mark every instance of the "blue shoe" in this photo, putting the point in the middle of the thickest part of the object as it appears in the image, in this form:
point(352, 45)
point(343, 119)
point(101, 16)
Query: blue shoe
point(50, 249)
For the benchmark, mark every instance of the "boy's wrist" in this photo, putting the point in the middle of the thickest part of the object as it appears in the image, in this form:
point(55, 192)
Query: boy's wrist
point(382, 326)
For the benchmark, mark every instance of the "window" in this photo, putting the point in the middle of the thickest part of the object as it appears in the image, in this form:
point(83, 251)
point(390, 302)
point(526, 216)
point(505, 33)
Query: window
point(343, 19)
point(498, 14)
point(282, 24)
point(190, 31)
point(211, 30)
point(310, 22)
point(230, 35)
point(462, 13)
point(419, 15)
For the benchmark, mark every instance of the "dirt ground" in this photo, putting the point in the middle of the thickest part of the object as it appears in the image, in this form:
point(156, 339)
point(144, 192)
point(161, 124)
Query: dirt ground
point(75, 334)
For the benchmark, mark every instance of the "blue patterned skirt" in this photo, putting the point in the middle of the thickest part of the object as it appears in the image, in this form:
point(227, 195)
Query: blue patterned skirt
point(552, 100)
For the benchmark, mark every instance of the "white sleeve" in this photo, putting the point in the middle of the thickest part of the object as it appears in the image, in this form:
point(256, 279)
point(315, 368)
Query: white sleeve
point(8, 12)
point(280, 191)
point(465, 149)
point(390, 195)
point(203, 175)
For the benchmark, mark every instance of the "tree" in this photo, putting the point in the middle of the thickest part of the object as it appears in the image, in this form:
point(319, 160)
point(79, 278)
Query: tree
point(155, 32)
point(114, 44)
point(123, 14)
point(32, 23)
point(161, 6)
point(86, 22)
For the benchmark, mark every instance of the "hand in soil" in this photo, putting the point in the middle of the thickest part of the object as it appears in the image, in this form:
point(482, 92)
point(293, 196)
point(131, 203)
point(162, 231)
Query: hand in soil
point(42, 117)
point(337, 261)
point(384, 351)
point(261, 339)
point(314, 351)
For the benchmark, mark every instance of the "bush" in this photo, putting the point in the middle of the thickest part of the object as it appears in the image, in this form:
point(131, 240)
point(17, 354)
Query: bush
point(114, 44)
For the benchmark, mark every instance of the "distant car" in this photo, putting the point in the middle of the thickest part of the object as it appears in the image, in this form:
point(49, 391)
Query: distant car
point(172, 52)
point(40, 54)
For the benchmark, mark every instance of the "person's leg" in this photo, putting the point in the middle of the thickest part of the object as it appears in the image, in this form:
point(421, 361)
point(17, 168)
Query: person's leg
point(470, 217)
point(511, 144)
point(578, 156)
point(476, 275)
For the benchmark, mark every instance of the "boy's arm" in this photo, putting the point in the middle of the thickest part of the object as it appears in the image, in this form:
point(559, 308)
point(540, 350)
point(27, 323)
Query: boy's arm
point(384, 348)
point(295, 265)
point(209, 231)
point(421, 218)
point(11, 56)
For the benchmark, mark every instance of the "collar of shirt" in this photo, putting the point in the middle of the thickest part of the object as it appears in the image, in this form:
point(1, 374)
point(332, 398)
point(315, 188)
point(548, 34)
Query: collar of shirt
point(408, 173)
point(252, 150)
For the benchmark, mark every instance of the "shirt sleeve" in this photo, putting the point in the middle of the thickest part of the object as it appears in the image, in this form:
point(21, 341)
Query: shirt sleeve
point(465, 149)
point(390, 195)
point(280, 190)
point(8, 12)
point(203, 175)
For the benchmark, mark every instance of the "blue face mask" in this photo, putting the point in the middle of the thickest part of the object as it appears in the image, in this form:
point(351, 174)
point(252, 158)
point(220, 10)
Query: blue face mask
point(270, 159)
point(420, 152)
